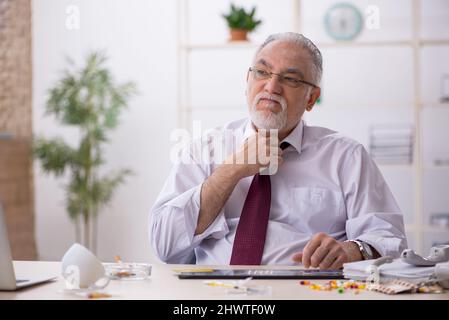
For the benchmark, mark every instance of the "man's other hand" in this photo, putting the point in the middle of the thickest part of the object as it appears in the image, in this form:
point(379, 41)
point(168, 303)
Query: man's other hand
point(324, 252)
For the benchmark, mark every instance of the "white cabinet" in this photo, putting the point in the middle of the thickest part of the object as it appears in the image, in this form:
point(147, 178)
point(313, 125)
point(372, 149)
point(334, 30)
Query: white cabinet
point(389, 75)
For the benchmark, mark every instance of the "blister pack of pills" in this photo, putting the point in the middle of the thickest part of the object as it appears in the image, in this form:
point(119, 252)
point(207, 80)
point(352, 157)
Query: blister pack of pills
point(394, 287)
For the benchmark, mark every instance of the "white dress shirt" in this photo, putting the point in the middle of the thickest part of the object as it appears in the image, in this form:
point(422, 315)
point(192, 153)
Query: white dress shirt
point(326, 183)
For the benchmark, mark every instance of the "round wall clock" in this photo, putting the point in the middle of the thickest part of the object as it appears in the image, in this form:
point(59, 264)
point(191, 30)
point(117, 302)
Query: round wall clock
point(343, 21)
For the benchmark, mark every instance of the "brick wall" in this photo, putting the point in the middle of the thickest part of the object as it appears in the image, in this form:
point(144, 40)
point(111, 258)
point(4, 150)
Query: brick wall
point(17, 196)
point(16, 176)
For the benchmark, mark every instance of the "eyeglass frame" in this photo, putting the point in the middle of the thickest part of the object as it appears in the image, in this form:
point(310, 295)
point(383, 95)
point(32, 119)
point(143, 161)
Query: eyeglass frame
point(254, 69)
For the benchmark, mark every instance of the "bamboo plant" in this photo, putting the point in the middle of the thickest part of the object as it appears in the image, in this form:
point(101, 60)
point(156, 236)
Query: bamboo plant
point(90, 100)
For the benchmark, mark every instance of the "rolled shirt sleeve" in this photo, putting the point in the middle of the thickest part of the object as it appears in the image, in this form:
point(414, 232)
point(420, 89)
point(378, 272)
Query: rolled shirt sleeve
point(173, 218)
point(373, 215)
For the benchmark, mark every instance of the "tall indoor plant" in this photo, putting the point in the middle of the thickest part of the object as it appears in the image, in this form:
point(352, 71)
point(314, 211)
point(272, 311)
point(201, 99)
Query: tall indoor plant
point(90, 100)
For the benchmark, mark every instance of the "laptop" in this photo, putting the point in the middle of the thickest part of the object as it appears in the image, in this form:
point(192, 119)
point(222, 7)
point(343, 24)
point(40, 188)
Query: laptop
point(8, 281)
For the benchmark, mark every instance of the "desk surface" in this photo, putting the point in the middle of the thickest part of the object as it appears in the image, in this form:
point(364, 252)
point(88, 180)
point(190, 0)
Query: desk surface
point(165, 285)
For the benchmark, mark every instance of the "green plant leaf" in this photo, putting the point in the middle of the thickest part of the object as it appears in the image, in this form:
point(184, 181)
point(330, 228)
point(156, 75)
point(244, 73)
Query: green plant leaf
point(239, 18)
point(103, 188)
point(77, 195)
point(91, 100)
point(54, 154)
point(118, 99)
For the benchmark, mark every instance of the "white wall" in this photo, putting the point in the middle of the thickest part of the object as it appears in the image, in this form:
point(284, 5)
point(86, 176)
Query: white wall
point(362, 85)
point(140, 38)
point(371, 84)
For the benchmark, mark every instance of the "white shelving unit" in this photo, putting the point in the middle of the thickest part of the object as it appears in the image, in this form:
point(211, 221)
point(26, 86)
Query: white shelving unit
point(415, 43)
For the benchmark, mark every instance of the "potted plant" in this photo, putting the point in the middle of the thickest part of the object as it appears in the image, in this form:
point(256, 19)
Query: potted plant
point(90, 100)
point(240, 22)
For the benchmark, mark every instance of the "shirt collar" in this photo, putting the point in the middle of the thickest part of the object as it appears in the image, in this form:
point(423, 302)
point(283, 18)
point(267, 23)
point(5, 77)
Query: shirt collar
point(294, 138)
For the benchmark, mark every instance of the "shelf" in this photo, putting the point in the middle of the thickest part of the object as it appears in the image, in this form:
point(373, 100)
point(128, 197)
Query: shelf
point(332, 106)
point(436, 167)
point(214, 108)
point(251, 45)
point(341, 44)
point(429, 105)
point(429, 228)
point(319, 106)
point(223, 45)
point(425, 228)
point(363, 105)
point(421, 42)
point(432, 42)
point(411, 166)
point(395, 166)
point(346, 44)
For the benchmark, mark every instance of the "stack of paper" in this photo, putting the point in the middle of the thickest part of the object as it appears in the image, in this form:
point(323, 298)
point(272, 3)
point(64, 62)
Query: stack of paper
point(395, 270)
point(391, 144)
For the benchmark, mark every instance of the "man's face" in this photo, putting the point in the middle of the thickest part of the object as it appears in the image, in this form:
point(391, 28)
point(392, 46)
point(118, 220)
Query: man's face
point(272, 104)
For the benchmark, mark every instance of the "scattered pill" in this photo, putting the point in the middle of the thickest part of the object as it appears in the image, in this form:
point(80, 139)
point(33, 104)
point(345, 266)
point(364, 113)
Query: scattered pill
point(340, 286)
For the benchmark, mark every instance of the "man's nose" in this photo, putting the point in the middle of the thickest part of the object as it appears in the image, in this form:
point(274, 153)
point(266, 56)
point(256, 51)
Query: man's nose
point(273, 85)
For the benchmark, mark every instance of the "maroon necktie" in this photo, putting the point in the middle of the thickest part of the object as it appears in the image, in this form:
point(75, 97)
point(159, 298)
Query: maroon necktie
point(251, 231)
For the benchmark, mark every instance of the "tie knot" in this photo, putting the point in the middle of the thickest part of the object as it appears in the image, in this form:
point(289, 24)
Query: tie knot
point(284, 145)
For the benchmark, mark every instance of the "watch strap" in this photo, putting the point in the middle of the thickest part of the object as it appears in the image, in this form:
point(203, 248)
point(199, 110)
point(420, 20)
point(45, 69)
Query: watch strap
point(364, 248)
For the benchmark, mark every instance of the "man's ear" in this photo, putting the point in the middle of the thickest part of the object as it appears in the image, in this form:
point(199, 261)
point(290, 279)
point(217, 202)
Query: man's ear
point(247, 79)
point(314, 95)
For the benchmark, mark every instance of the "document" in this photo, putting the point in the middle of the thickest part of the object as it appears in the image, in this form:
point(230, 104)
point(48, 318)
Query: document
point(394, 270)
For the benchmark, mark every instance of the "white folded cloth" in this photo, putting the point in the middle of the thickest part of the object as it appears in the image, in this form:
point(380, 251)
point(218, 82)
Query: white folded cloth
point(395, 270)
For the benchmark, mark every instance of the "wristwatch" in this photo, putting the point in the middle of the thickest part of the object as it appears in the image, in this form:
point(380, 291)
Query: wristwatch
point(364, 248)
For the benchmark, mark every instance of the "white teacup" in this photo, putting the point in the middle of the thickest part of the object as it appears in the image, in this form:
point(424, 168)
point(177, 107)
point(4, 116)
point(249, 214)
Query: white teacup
point(82, 269)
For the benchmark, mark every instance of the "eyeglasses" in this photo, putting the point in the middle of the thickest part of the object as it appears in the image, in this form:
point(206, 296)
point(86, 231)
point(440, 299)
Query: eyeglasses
point(260, 74)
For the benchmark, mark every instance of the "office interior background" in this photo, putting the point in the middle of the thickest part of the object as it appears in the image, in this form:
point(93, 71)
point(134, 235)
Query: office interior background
point(387, 87)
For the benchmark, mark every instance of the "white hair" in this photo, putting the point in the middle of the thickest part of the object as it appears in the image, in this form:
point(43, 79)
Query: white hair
point(304, 43)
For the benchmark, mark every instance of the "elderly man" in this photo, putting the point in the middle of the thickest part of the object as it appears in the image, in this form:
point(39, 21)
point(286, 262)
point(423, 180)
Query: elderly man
point(326, 204)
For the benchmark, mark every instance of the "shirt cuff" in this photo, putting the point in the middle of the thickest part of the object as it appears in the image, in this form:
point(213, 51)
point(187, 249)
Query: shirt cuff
point(189, 202)
point(385, 246)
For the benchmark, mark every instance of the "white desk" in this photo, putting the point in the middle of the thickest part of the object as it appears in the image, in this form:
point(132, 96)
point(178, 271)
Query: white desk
point(165, 285)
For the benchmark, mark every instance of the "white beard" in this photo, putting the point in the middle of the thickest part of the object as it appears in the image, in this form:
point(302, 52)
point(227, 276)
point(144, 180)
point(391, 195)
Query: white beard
point(264, 119)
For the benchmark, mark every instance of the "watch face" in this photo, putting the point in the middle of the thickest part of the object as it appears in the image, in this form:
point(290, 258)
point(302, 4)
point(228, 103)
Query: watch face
point(343, 21)
point(367, 252)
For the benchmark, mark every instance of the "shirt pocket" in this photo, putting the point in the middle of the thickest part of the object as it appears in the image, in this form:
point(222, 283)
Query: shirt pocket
point(317, 209)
